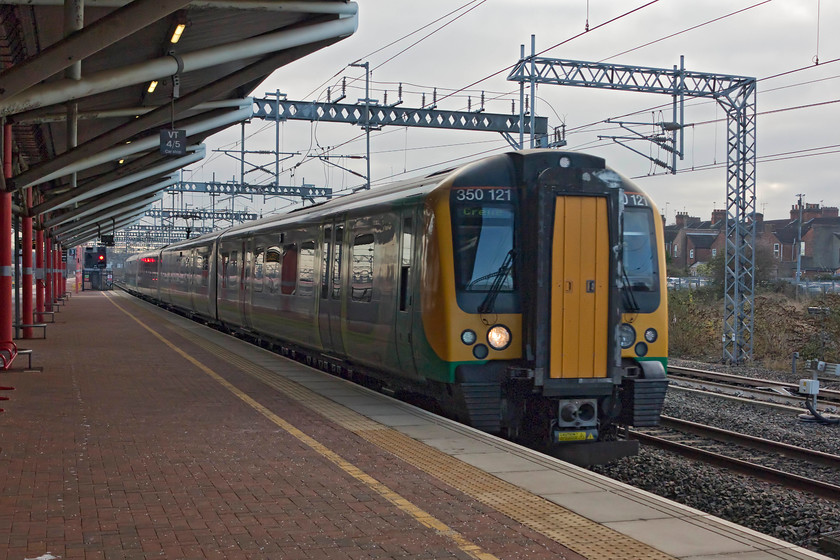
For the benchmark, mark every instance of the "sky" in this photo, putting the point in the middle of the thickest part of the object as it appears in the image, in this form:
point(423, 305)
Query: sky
point(473, 43)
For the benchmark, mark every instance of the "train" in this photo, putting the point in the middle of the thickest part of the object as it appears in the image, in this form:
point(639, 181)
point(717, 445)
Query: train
point(523, 294)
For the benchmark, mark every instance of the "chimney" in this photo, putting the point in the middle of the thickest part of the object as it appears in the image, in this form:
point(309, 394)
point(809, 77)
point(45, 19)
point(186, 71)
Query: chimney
point(680, 219)
point(811, 211)
point(718, 216)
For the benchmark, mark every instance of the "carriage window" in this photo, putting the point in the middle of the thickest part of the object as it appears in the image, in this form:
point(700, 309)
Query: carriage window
point(223, 266)
point(362, 268)
point(203, 265)
point(289, 271)
point(336, 265)
point(325, 260)
point(406, 262)
point(233, 270)
point(259, 268)
point(271, 268)
point(306, 268)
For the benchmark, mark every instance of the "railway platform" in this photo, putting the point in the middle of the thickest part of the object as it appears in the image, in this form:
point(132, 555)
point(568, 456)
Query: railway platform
point(147, 435)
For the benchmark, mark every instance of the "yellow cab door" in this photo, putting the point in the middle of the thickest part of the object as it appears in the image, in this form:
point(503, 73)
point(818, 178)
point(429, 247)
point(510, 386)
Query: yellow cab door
point(580, 288)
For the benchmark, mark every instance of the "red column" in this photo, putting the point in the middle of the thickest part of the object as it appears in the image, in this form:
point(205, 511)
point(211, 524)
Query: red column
point(54, 272)
point(39, 270)
point(6, 315)
point(79, 252)
point(48, 283)
point(26, 280)
point(59, 274)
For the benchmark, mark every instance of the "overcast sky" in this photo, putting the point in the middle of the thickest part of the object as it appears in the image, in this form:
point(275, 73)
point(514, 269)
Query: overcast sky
point(798, 126)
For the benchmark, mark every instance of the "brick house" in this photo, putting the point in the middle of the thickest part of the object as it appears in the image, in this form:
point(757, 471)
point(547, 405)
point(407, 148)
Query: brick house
point(820, 236)
point(691, 241)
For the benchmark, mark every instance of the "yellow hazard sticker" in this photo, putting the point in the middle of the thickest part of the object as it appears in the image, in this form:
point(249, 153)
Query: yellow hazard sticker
point(575, 436)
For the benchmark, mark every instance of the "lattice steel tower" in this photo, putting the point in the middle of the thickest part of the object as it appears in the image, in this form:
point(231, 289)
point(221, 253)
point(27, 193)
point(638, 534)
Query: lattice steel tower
point(737, 96)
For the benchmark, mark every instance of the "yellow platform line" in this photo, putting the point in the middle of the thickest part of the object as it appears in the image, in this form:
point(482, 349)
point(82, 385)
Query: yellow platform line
point(420, 515)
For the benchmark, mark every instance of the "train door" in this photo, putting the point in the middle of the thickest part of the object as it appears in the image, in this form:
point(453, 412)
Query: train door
point(330, 306)
point(580, 265)
point(405, 297)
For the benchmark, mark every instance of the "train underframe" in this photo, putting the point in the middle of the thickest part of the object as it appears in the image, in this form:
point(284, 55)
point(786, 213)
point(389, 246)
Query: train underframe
point(582, 427)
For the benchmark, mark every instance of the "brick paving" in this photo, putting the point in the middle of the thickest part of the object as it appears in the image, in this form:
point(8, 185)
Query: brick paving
point(123, 449)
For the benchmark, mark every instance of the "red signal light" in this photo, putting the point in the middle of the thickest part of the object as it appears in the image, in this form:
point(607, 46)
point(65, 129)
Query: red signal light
point(101, 257)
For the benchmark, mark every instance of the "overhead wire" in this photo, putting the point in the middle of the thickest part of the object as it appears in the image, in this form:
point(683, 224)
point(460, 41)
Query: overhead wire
point(686, 30)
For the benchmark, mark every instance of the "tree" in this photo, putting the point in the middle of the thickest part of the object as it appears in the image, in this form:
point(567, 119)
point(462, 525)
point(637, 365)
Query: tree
point(765, 264)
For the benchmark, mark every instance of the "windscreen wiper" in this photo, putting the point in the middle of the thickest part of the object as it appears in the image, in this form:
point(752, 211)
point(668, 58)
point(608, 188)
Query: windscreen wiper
point(627, 291)
point(499, 278)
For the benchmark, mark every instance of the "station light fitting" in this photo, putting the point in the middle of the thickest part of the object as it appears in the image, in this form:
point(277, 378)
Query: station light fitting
point(152, 86)
point(176, 35)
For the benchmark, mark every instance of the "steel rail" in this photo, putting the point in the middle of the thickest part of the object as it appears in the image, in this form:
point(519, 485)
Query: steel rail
point(832, 395)
point(752, 442)
point(768, 474)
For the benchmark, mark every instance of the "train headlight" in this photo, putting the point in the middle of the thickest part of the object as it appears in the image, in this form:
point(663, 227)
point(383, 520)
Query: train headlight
point(651, 335)
point(641, 349)
point(626, 335)
point(468, 337)
point(498, 337)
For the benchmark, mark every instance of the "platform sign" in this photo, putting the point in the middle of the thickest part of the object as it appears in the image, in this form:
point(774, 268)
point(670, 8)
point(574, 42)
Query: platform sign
point(107, 240)
point(173, 142)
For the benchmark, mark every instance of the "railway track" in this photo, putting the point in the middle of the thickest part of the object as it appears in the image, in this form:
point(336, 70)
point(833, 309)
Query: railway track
point(760, 390)
point(793, 467)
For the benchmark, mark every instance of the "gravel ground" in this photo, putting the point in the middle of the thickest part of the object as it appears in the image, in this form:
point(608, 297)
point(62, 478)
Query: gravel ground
point(791, 516)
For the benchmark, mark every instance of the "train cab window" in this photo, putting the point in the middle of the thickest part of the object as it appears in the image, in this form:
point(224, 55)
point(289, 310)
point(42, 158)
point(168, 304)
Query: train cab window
point(361, 282)
point(289, 269)
point(306, 269)
point(483, 227)
point(639, 262)
point(483, 240)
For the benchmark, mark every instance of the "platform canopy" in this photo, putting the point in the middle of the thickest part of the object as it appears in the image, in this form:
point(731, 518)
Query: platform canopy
point(92, 141)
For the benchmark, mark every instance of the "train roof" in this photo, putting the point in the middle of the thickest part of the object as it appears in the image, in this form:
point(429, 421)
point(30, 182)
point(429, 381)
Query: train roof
point(400, 190)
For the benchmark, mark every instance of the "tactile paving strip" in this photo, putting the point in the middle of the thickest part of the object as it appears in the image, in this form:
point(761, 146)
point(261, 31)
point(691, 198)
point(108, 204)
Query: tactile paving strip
point(590, 539)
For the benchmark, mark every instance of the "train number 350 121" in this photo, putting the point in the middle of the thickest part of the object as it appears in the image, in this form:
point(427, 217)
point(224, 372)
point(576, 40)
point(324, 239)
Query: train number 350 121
point(490, 194)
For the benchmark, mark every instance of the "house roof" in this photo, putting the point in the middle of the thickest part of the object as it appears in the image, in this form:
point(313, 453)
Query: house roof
point(702, 240)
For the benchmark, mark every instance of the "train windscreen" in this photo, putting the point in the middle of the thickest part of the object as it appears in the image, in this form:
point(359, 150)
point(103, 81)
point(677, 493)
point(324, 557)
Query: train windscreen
point(483, 225)
point(640, 263)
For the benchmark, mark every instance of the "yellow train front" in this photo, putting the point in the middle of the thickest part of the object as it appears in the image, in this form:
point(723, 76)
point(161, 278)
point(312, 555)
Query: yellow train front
point(544, 293)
